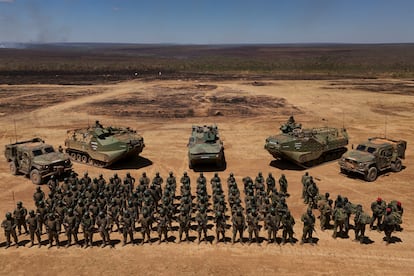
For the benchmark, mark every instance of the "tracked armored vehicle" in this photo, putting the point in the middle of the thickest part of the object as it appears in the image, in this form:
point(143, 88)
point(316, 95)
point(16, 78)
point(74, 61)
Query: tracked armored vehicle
point(205, 147)
point(307, 146)
point(102, 146)
point(373, 156)
point(37, 160)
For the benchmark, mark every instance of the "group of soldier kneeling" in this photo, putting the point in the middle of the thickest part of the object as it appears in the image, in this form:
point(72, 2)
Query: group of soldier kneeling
point(388, 217)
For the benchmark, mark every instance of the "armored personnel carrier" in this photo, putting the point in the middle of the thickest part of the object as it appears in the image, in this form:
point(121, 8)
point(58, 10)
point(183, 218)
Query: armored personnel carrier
point(205, 147)
point(373, 156)
point(307, 146)
point(36, 159)
point(102, 146)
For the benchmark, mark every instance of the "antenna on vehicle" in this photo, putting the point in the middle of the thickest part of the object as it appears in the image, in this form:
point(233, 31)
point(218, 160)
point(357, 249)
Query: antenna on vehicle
point(15, 129)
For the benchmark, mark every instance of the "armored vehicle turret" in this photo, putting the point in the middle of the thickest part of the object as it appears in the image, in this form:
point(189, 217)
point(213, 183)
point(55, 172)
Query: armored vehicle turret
point(102, 146)
point(307, 146)
point(36, 159)
point(205, 147)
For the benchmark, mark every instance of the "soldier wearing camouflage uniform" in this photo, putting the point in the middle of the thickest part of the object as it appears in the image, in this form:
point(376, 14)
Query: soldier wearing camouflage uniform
point(127, 223)
point(52, 228)
point(9, 226)
point(272, 222)
point(71, 224)
point(184, 219)
point(253, 225)
point(145, 221)
point(378, 211)
point(103, 223)
point(220, 220)
point(87, 228)
point(202, 221)
point(20, 214)
point(361, 219)
point(239, 224)
point(33, 222)
point(308, 220)
point(287, 225)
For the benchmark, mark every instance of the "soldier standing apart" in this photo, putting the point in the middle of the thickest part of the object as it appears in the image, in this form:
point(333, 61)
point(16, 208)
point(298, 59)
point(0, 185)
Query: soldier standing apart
point(20, 214)
point(103, 223)
point(9, 226)
point(308, 220)
point(52, 228)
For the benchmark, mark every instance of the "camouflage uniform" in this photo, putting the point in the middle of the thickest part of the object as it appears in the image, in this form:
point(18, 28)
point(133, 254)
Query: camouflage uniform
point(253, 225)
point(33, 222)
point(202, 221)
point(9, 226)
point(163, 224)
point(146, 221)
point(71, 224)
point(220, 220)
point(184, 221)
point(361, 219)
point(20, 214)
point(308, 220)
point(287, 225)
point(239, 225)
point(388, 225)
point(378, 211)
point(283, 184)
point(87, 228)
point(127, 223)
point(52, 228)
point(103, 223)
point(272, 222)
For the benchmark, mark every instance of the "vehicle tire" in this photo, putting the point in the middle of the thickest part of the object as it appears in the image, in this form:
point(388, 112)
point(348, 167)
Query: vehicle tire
point(79, 157)
point(13, 168)
point(35, 177)
point(73, 156)
point(343, 171)
point(85, 159)
point(190, 165)
point(371, 174)
point(396, 166)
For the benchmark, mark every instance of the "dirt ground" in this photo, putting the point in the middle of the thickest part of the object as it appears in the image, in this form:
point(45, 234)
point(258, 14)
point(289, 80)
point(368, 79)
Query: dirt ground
point(246, 113)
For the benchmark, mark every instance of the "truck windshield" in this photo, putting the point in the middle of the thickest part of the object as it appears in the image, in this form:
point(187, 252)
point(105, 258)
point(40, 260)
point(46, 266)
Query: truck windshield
point(49, 150)
point(365, 148)
point(37, 152)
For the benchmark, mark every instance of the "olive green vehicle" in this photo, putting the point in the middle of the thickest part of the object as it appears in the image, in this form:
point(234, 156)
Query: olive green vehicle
point(37, 160)
point(102, 146)
point(205, 147)
point(373, 156)
point(307, 147)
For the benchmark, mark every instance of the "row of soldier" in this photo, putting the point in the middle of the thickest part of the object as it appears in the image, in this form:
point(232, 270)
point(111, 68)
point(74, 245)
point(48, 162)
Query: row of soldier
point(387, 216)
point(97, 205)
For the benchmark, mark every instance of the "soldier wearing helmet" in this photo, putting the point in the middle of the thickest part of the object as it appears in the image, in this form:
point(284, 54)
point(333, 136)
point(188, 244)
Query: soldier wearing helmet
point(9, 226)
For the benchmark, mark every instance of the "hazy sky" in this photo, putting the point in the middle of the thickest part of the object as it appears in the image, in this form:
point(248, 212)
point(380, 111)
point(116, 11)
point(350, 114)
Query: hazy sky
point(207, 21)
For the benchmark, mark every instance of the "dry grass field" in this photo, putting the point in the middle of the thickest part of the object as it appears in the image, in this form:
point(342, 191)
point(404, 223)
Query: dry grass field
point(246, 112)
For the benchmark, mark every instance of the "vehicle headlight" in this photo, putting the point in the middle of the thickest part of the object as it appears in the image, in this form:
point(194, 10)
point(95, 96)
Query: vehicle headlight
point(361, 165)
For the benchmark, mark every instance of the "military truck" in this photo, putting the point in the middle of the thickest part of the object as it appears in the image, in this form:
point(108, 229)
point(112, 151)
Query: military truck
point(307, 147)
point(205, 147)
point(37, 160)
point(375, 155)
point(102, 146)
